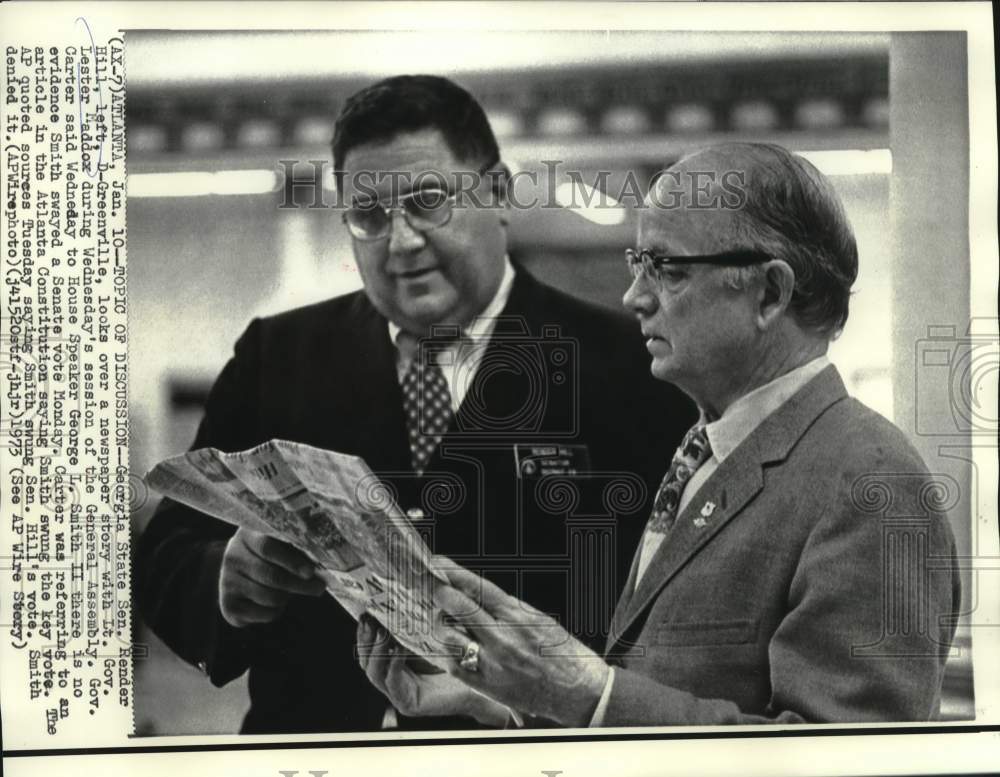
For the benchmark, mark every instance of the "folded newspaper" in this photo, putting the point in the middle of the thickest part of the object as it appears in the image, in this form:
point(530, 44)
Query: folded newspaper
point(334, 509)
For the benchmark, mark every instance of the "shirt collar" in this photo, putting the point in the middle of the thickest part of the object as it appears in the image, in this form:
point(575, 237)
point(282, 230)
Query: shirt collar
point(482, 326)
point(750, 410)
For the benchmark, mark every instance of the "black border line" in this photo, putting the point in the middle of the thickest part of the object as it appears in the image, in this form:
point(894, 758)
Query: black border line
point(332, 744)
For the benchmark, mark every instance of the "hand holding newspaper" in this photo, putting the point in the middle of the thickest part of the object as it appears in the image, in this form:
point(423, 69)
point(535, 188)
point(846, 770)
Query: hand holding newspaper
point(333, 508)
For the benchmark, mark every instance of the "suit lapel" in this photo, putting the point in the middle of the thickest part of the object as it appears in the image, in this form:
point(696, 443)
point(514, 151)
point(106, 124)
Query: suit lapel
point(737, 480)
point(729, 490)
point(367, 382)
point(498, 388)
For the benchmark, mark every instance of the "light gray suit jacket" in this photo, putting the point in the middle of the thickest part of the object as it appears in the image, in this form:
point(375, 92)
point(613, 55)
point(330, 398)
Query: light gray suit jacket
point(818, 586)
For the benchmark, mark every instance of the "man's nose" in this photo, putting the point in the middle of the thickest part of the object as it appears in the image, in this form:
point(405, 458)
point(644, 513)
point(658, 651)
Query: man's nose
point(638, 297)
point(403, 239)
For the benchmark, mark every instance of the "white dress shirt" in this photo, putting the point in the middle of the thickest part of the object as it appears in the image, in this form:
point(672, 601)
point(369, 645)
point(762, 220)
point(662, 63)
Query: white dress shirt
point(460, 361)
point(725, 434)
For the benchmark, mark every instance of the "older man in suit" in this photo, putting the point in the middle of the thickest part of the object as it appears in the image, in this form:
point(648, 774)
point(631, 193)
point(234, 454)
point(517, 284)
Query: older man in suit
point(465, 384)
point(795, 567)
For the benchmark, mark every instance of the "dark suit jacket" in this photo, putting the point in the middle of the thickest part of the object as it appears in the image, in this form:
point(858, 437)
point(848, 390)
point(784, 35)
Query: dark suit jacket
point(557, 372)
point(819, 588)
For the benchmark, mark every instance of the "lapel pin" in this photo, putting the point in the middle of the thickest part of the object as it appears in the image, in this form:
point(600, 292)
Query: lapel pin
point(707, 509)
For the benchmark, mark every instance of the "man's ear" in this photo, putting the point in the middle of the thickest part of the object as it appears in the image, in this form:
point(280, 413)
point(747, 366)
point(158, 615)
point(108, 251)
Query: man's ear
point(776, 292)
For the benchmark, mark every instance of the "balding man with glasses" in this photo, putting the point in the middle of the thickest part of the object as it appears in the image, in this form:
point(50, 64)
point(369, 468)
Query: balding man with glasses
point(476, 392)
point(797, 565)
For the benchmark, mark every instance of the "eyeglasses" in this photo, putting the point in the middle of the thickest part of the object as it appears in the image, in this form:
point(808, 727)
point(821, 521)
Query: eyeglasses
point(645, 262)
point(423, 209)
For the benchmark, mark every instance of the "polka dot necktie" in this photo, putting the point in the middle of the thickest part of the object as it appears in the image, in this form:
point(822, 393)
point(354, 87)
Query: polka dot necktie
point(694, 450)
point(427, 404)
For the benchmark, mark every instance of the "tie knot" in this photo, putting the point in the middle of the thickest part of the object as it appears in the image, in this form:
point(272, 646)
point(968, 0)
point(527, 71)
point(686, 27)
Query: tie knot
point(696, 445)
point(424, 349)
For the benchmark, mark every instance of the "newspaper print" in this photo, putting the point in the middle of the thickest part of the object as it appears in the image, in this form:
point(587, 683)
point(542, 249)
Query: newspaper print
point(333, 508)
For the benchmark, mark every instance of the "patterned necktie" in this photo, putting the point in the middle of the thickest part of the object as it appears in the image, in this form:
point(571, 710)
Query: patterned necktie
point(427, 404)
point(694, 450)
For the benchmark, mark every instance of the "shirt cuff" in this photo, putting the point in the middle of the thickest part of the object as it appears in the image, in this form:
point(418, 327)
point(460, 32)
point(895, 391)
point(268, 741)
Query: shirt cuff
point(602, 704)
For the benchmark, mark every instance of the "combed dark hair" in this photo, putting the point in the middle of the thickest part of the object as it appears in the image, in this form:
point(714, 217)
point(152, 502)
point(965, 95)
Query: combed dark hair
point(401, 104)
point(793, 213)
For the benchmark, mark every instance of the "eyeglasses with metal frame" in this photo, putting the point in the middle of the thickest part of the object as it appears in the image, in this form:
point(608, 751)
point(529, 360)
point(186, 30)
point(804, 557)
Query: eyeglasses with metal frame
point(424, 209)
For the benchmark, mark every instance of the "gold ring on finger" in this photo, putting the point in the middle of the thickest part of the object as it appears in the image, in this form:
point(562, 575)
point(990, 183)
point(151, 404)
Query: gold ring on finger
point(470, 657)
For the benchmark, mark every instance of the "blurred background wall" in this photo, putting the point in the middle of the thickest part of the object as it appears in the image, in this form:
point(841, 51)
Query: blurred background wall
point(211, 116)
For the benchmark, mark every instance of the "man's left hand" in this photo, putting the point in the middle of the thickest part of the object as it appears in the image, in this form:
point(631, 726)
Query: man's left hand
point(525, 659)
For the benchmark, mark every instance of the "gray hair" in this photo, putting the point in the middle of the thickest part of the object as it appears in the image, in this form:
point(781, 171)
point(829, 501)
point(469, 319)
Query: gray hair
point(792, 213)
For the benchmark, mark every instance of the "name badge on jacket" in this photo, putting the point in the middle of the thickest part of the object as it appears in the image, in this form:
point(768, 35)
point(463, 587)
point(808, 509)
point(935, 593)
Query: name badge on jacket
point(532, 460)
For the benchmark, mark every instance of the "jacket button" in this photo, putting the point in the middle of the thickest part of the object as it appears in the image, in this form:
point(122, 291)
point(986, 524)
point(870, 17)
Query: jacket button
point(203, 667)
